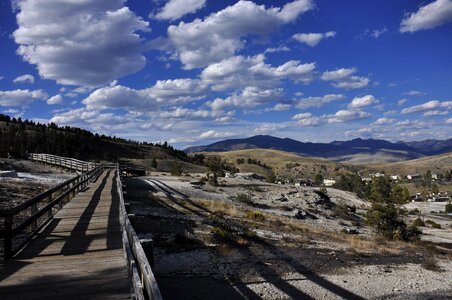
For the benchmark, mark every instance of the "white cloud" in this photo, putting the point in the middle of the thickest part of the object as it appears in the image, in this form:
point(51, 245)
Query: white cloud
point(428, 16)
point(377, 32)
point(433, 113)
point(430, 105)
point(347, 115)
point(27, 78)
point(308, 102)
point(88, 42)
point(363, 101)
point(344, 78)
point(175, 9)
point(163, 93)
point(401, 102)
point(57, 99)
point(338, 74)
point(241, 71)
point(185, 113)
point(449, 121)
point(279, 107)
point(414, 93)
point(307, 119)
point(384, 120)
point(21, 97)
point(278, 49)
point(353, 82)
point(218, 36)
point(249, 97)
point(313, 39)
point(215, 134)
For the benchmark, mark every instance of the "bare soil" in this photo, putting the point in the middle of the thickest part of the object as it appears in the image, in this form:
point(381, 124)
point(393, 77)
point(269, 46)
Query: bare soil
point(210, 245)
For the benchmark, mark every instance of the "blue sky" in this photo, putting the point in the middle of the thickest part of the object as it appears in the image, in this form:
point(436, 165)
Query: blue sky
point(195, 71)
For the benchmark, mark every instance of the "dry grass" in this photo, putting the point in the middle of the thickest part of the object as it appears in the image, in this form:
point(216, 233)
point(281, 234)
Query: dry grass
point(281, 224)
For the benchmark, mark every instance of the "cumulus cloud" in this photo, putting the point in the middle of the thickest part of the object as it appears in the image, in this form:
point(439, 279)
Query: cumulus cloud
point(186, 113)
point(363, 101)
point(401, 102)
point(215, 134)
point(21, 97)
point(313, 39)
point(384, 121)
point(307, 119)
point(433, 113)
point(57, 99)
point(277, 49)
point(90, 42)
point(279, 107)
point(249, 97)
point(240, 71)
point(308, 102)
point(449, 121)
point(27, 78)
point(219, 35)
point(414, 93)
point(347, 115)
point(175, 9)
point(428, 16)
point(343, 78)
point(430, 105)
point(164, 92)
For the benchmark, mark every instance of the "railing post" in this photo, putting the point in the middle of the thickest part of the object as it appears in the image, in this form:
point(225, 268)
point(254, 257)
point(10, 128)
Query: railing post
point(8, 241)
point(33, 210)
point(148, 247)
point(49, 213)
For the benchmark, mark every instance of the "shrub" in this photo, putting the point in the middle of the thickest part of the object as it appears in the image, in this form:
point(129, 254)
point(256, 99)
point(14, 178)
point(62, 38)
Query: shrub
point(256, 216)
point(244, 198)
point(448, 209)
point(418, 222)
point(436, 225)
point(413, 211)
point(176, 169)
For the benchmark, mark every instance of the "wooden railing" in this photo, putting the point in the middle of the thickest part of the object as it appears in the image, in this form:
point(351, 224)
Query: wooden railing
point(20, 223)
point(66, 162)
point(142, 279)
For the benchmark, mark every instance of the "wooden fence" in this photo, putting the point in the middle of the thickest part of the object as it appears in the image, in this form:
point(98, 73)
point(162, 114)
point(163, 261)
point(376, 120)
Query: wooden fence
point(70, 163)
point(142, 278)
point(20, 223)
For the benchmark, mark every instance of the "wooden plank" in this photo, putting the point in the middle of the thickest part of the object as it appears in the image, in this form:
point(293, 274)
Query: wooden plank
point(92, 267)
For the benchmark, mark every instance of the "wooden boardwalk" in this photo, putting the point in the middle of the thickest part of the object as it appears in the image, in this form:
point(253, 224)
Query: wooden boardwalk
point(79, 255)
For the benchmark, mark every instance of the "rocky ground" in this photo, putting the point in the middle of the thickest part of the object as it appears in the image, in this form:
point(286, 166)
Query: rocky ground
point(26, 180)
point(278, 242)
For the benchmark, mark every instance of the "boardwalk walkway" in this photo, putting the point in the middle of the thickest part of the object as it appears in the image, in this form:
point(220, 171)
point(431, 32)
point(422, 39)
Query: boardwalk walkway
point(79, 255)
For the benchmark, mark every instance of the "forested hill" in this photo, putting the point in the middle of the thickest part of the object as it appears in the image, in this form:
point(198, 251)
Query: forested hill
point(18, 137)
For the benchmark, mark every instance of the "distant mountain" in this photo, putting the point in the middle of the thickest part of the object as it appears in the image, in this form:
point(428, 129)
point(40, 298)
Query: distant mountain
point(430, 147)
point(376, 150)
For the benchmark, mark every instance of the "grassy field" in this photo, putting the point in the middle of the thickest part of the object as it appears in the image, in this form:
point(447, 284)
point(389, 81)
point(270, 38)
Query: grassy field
point(282, 163)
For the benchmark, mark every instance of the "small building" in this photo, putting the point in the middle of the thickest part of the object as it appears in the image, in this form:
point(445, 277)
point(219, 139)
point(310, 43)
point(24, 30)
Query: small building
point(366, 179)
point(378, 174)
point(329, 182)
point(414, 177)
point(434, 176)
point(395, 177)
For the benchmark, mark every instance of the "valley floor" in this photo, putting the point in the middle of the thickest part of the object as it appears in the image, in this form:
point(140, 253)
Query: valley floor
point(279, 242)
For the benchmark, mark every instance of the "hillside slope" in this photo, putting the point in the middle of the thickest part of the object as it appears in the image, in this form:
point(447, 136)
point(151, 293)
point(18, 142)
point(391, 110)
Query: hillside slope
point(354, 151)
point(17, 138)
point(284, 164)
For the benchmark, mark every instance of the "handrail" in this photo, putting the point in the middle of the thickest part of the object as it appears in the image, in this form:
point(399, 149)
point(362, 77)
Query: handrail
point(49, 199)
point(137, 262)
point(70, 163)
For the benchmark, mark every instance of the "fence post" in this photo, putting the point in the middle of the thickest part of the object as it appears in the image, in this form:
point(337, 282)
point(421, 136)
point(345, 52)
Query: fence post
point(148, 247)
point(8, 241)
point(33, 210)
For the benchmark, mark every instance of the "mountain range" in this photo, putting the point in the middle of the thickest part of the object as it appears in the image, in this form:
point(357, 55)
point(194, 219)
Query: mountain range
point(353, 150)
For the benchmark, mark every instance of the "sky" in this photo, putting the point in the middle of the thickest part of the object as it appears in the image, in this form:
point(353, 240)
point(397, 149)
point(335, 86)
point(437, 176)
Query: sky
point(192, 72)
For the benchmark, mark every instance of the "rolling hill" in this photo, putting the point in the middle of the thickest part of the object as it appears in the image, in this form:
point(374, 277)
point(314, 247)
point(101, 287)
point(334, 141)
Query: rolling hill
point(354, 151)
point(284, 164)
